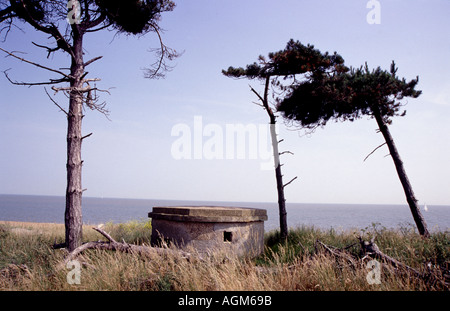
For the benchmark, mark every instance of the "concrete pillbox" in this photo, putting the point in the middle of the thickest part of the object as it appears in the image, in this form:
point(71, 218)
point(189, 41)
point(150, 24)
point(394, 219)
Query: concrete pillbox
point(210, 228)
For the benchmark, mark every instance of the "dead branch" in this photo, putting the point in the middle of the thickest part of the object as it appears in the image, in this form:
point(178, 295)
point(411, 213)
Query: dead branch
point(92, 60)
point(290, 181)
point(49, 50)
point(258, 104)
point(337, 252)
point(430, 277)
point(257, 94)
point(85, 89)
point(70, 89)
point(106, 235)
point(55, 102)
point(373, 151)
point(369, 248)
point(36, 64)
point(52, 30)
point(284, 152)
point(86, 136)
point(164, 52)
point(113, 245)
point(90, 80)
point(52, 81)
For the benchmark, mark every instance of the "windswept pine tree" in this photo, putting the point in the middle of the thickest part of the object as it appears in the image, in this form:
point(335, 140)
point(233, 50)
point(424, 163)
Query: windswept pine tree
point(67, 23)
point(348, 96)
point(280, 70)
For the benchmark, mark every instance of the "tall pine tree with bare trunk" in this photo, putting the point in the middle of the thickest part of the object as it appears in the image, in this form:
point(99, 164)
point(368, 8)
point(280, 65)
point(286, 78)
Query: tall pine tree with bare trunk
point(67, 23)
point(280, 70)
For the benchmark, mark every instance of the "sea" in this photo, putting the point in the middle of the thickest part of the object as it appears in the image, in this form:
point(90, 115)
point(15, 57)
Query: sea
point(50, 209)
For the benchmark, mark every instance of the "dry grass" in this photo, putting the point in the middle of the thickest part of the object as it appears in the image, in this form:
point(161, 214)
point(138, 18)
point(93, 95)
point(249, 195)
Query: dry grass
point(27, 262)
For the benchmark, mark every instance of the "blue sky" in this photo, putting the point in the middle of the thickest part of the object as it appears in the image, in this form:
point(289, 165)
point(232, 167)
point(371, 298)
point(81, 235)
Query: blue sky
point(130, 156)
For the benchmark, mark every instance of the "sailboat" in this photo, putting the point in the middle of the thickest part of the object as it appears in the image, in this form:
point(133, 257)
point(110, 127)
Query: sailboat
point(425, 207)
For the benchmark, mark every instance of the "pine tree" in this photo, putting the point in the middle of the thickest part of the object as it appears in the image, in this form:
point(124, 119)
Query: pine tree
point(279, 70)
point(67, 23)
point(349, 96)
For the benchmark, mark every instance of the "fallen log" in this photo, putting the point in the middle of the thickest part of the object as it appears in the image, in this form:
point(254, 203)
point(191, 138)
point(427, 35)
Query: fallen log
point(113, 245)
point(369, 248)
point(337, 252)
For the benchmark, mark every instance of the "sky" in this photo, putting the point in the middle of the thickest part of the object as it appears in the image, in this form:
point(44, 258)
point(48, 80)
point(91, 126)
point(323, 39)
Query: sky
point(136, 152)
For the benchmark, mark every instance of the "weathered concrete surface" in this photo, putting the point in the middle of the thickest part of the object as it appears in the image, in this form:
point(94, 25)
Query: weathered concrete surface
point(209, 228)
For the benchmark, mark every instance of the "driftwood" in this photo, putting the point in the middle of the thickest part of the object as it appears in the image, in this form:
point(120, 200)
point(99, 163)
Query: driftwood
point(369, 248)
point(340, 253)
point(113, 245)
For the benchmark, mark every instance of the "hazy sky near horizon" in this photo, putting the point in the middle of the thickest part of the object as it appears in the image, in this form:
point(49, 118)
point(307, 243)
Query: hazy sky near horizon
point(131, 155)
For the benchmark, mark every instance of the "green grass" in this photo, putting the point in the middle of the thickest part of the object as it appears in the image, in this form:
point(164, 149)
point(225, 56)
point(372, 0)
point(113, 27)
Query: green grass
point(403, 244)
point(27, 262)
point(133, 232)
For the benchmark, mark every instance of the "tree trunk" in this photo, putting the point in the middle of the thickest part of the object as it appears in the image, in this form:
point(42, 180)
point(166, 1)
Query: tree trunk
point(276, 157)
point(73, 215)
point(412, 201)
point(280, 186)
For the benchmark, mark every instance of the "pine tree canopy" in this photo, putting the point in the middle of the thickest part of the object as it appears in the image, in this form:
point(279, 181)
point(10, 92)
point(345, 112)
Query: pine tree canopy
point(347, 96)
point(134, 16)
point(127, 16)
point(295, 59)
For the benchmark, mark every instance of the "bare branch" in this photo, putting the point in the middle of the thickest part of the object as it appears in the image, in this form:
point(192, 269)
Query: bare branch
point(7, 25)
point(258, 104)
point(92, 60)
point(52, 81)
point(290, 181)
point(49, 50)
point(164, 52)
point(91, 24)
point(85, 89)
point(50, 29)
point(106, 235)
point(37, 65)
point(337, 252)
point(90, 97)
point(57, 89)
point(100, 28)
point(55, 102)
point(374, 151)
point(91, 80)
point(86, 136)
point(372, 249)
point(284, 152)
point(257, 94)
point(141, 250)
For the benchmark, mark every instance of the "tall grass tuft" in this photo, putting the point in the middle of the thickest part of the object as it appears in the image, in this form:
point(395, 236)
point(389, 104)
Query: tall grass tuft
point(27, 262)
